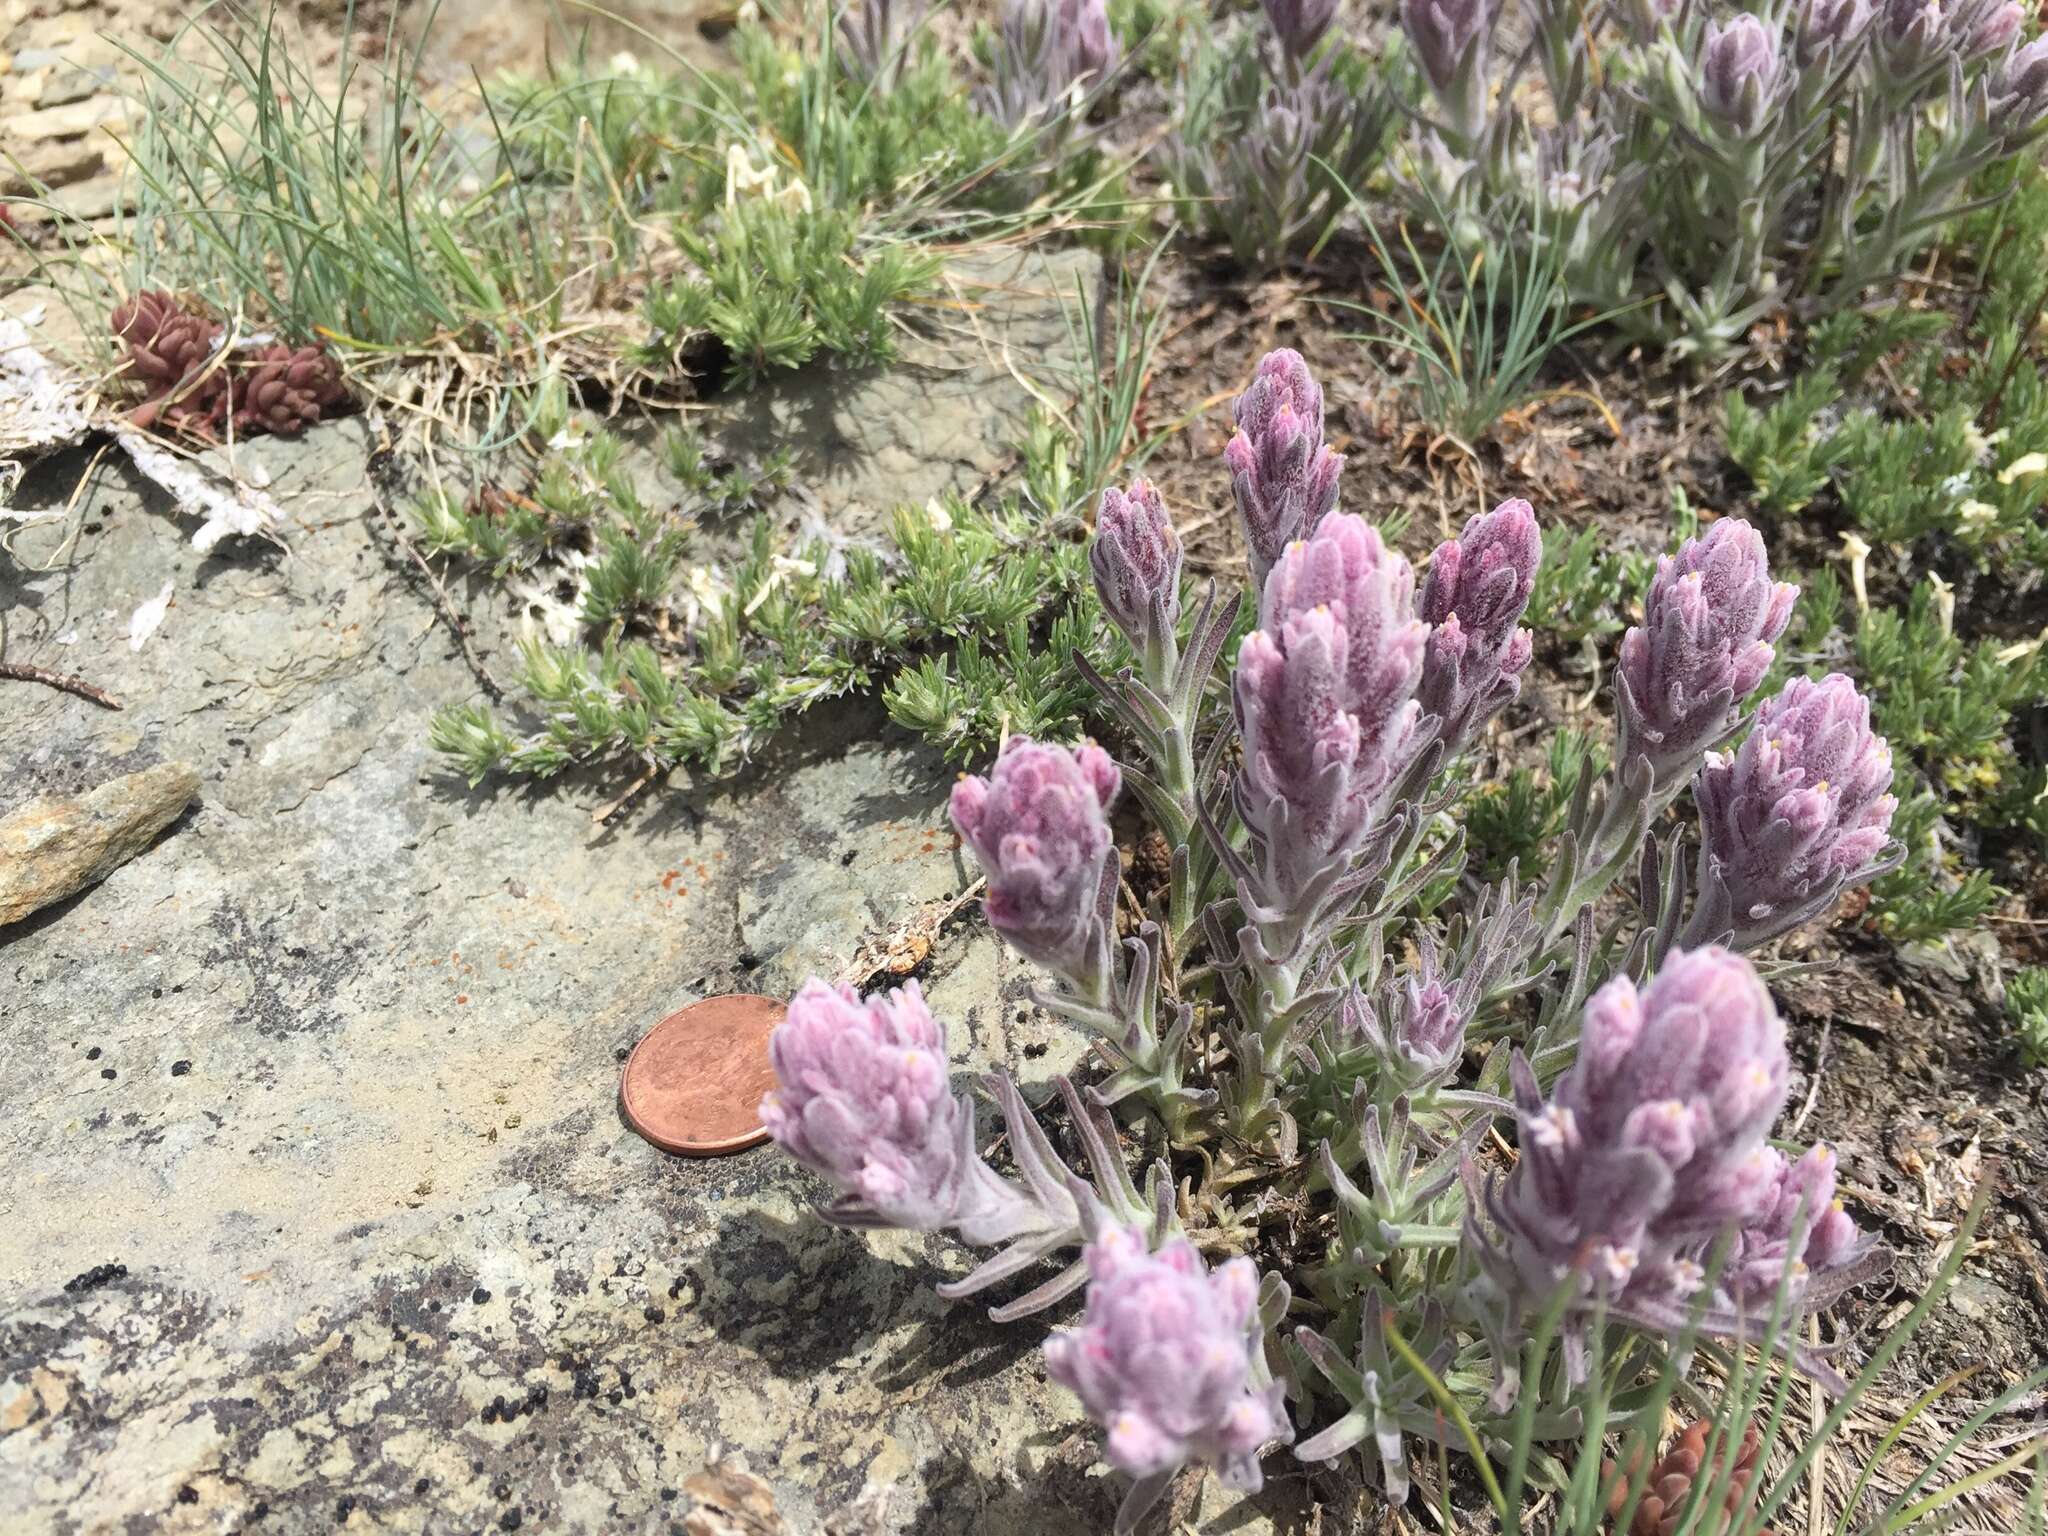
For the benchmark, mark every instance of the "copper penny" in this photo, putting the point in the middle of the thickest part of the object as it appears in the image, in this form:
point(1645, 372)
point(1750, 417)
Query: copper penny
point(694, 1085)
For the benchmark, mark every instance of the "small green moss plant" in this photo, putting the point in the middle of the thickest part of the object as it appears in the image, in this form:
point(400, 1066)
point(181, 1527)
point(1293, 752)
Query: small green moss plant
point(1512, 821)
point(803, 218)
point(1961, 453)
point(965, 620)
point(2026, 1005)
point(1580, 584)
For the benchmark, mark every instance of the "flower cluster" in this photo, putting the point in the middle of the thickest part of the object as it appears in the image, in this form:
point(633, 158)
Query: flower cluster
point(1050, 56)
point(1801, 811)
point(1705, 144)
point(1299, 25)
point(1324, 697)
point(1653, 1144)
point(1703, 646)
point(1277, 134)
point(1473, 601)
point(1740, 73)
point(863, 1099)
point(1136, 557)
point(1416, 1026)
point(1453, 40)
point(1798, 1234)
point(1167, 1359)
point(1293, 1012)
point(1038, 828)
point(1284, 478)
point(874, 36)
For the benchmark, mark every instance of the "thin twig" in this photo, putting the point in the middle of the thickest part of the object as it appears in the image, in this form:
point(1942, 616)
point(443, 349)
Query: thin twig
point(383, 470)
point(605, 813)
point(2035, 1219)
point(1987, 418)
point(1820, 1067)
point(22, 672)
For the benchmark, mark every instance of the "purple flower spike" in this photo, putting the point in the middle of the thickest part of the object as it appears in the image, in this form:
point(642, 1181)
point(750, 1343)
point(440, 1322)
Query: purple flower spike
point(1703, 646)
point(1914, 37)
point(1136, 556)
point(2019, 94)
point(1446, 36)
point(1432, 1031)
point(1049, 55)
point(1994, 30)
point(1304, 785)
point(1089, 43)
point(1829, 27)
point(1739, 69)
point(1282, 475)
point(1653, 1143)
point(1347, 568)
point(1452, 40)
point(1416, 1026)
point(1324, 702)
point(862, 1098)
point(1478, 588)
point(1300, 24)
point(1038, 829)
point(1164, 1360)
point(1801, 811)
point(1802, 1198)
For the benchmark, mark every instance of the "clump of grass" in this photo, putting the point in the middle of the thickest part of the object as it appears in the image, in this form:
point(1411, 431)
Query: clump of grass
point(1580, 584)
point(1475, 318)
point(344, 207)
point(1512, 820)
point(1761, 1428)
point(609, 219)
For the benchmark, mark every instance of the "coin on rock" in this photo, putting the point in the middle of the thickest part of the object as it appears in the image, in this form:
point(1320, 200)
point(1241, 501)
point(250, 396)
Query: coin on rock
point(694, 1085)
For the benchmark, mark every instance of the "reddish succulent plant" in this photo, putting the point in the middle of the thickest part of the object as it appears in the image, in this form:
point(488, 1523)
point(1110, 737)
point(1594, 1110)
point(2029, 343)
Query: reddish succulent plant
point(1670, 1482)
point(170, 349)
point(172, 352)
point(286, 389)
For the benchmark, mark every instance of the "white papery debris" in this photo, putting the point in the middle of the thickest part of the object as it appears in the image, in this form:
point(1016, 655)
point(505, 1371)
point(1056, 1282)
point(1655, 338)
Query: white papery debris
point(40, 406)
point(814, 530)
point(226, 509)
point(561, 619)
point(143, 622)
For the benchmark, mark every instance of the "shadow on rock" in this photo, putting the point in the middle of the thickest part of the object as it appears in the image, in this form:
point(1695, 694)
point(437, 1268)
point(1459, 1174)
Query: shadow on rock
point(801, 1296)
point(1061, 1496)
point(961, 1346)
point(1068, 1490)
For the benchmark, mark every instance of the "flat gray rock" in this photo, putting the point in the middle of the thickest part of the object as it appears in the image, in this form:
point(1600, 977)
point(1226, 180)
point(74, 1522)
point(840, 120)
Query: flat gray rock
point(315, 1203)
